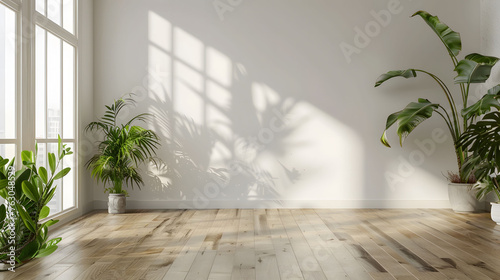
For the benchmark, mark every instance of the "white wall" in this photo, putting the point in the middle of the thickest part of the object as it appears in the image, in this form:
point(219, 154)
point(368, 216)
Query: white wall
point(220, 82)
point(490, 35)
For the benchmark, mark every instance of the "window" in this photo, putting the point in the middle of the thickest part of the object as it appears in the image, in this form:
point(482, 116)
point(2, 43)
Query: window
point(8, 82)
point(48, 82)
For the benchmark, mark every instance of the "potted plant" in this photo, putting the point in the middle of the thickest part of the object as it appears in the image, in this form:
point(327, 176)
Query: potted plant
point(123, 148)
point(474, 68)
point(23, 223)
point(483, 141)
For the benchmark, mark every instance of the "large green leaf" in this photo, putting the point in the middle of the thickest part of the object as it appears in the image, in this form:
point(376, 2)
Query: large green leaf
point(482, 139)
point(484, 105)
point(390, 121)
point(3, 212)
point(29, 251)
point(54, 241)
point(409, 73)
point(20, 178)
point(26, 218)
point(49, 223)
point(42, 172)
point(62, 173)
point(52, 162)
point(4, 183)
point(450, 38)
point(475, 68)
point(409, 118)
point(27, 156)
point(3, 162)
point(30, 191)
point(47, 251)
point(49, 196)
point(44, 213)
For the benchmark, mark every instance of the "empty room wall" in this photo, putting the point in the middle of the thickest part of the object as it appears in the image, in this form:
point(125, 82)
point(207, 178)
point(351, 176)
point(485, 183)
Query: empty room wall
point(490, 36)
point(279, 97)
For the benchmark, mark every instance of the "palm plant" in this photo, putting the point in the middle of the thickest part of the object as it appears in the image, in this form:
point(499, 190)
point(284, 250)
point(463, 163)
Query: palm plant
point(474, 68)
point(123, 149)
point(483, 141)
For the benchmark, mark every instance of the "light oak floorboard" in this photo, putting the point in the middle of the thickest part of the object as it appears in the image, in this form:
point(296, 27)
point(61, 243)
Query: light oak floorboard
point(272, 244)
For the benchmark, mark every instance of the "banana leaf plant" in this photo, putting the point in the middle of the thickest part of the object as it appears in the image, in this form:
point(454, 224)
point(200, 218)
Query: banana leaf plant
point(123, 148)
point(482, 140)
point(27, 193)
point(472, 69)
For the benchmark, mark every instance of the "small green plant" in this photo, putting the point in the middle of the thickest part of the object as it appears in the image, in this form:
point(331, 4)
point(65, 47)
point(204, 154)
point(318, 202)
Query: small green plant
point(123, 149)
point(474, 68)
point(27, 192)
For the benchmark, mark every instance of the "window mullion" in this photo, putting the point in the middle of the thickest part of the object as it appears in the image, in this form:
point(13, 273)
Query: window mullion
point(19, 82)
point(46, 85)
point(55, 29)
point(61, 111)
point(61, 94)
point(27, 77)
point(13, 4)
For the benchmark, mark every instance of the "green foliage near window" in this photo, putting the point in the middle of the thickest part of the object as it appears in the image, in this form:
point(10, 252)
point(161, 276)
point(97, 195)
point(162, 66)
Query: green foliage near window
point(27, 192)
point(483, 141)
point(473, 68)
point(123, 148)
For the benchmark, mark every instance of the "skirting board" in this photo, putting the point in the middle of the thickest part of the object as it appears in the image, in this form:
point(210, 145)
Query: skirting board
point(269, 204)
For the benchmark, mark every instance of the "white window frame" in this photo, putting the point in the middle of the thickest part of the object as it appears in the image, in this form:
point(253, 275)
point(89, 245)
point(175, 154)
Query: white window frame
point(15, 6)
point(27, 19)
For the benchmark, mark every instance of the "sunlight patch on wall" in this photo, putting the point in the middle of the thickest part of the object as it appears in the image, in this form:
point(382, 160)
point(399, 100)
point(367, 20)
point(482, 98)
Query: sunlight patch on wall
point(159, 31)
point(189, 49)
point(159, 79)
point(188, 89)
point(219, 67)
point(159, 58)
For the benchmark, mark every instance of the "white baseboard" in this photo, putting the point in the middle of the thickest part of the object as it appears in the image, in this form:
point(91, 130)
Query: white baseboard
point(259, 204)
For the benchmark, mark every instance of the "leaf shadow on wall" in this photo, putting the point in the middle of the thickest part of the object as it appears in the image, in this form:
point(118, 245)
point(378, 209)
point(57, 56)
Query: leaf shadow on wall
point(221, 160)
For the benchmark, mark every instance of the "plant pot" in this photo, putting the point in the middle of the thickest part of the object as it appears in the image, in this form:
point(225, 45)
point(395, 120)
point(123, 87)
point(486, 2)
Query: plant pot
point(495, 212)
point(463, 199)
point(116, 203)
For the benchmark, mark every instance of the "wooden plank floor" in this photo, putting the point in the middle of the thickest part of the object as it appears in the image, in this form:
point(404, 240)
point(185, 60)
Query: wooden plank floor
point(273, 244)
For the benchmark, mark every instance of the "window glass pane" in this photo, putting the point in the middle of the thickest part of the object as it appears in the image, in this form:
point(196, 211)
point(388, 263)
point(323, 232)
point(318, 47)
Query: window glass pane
point(7, 73)
point(41, 159)
point(55, 203)
point(8, 151)
point(53, 86)
point(54, 11)
point(40, 82)
point(40, 7)
point(68, 184)
point(69, 15)
point(68, 90)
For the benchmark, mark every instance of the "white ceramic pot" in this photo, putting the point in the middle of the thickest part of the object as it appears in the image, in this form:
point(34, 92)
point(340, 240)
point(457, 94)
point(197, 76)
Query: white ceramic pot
point(495, 212)
point(116, 203)
point(463, 199)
